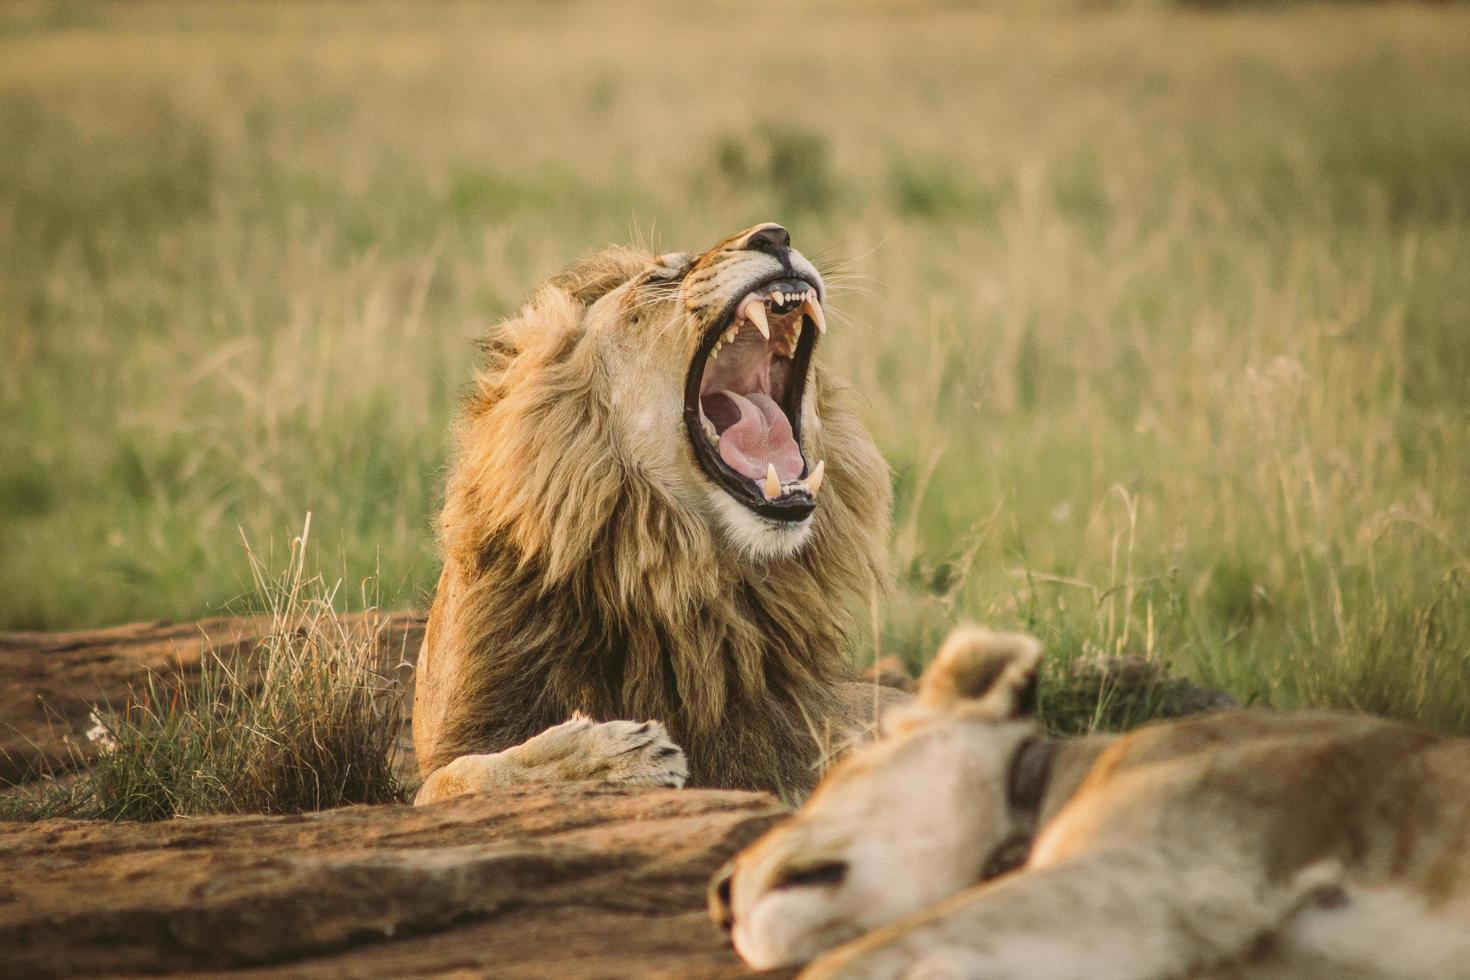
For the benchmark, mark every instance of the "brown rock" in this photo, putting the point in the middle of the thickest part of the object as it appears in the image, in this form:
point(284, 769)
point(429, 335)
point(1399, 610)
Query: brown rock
point(560, 881)
point(568, 881)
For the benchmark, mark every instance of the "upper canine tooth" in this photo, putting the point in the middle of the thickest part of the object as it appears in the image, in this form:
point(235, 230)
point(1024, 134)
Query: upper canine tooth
point(813, 309)
point(814, 479)
point(772, 487)
point(730, 334)
point(755, 311)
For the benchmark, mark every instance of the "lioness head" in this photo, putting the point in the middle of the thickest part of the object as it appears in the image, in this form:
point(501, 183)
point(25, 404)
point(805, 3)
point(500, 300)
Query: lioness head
point(739, 324)
point(900, 823)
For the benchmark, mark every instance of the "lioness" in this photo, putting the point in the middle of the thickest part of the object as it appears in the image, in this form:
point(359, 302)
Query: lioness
point(661, 508)
point(1234, 844)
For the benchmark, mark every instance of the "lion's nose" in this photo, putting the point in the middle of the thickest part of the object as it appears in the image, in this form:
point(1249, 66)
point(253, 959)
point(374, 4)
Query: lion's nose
point(769, 238)
point(719, 897)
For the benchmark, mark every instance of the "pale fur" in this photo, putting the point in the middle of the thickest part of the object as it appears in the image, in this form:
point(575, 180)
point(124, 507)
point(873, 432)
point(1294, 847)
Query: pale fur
point(1238, 844)
point(577, 749)
point(590, 565)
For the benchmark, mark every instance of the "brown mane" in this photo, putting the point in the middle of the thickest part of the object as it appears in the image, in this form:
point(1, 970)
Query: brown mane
point(572, 582)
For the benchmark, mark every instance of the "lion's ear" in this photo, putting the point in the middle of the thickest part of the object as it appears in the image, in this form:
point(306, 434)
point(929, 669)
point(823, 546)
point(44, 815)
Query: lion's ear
point(593, 276)
point(545, 328)
point(994, 673)
point(549, 325)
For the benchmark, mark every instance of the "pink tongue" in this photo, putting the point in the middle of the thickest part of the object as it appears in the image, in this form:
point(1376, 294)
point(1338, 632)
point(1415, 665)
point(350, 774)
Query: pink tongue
point(761, 437)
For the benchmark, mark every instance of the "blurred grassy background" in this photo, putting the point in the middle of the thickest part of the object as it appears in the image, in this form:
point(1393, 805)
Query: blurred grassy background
point(1162, 315)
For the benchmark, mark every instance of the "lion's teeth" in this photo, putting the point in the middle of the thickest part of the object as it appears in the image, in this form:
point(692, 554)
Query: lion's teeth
point(755, 311)
point(715, 352)
point(813, 309)
point(731, 333)
point(814, 480)
point(709, 431)
point(772, 487)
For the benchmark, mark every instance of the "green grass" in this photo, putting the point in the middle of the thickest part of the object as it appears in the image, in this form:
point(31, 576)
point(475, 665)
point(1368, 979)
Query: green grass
point(1161, 315)
point(306, 720)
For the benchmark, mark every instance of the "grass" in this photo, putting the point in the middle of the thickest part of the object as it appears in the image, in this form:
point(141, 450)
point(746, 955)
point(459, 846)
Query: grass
point(306, 721)
point(1160, 314)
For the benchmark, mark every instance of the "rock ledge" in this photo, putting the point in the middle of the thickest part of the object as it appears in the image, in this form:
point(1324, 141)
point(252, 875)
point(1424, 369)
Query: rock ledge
point(569, 881)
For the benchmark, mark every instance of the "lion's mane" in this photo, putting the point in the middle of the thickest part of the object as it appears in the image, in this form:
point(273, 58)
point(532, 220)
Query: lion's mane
point(571, 582)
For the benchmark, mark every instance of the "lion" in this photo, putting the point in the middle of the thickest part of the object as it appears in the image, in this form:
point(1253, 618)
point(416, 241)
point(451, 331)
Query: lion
point(1240, 843)
point(662, 507)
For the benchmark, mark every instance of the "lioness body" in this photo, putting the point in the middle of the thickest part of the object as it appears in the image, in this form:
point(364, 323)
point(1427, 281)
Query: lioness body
point(603, 554)
point(1236, 844)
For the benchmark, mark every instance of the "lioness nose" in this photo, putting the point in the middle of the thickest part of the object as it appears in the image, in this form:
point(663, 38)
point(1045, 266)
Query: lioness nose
point(719, 897)
point(769, 238)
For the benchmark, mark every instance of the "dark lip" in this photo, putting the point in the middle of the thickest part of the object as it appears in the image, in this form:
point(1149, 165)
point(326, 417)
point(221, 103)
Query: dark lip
point(792, 507)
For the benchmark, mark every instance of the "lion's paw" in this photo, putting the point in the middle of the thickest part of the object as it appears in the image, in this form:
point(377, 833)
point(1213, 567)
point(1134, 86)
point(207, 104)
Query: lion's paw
point(635, 753)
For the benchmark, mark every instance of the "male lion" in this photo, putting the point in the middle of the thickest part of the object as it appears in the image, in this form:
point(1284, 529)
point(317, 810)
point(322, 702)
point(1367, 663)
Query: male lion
point(661, 508)
point(1234, 844)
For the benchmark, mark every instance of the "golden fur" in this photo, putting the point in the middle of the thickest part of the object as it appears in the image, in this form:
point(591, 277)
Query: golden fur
point(1234, 844)
point(588, 564)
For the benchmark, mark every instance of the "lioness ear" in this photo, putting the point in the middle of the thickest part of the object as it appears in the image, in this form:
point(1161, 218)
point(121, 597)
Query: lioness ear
point(995, 673)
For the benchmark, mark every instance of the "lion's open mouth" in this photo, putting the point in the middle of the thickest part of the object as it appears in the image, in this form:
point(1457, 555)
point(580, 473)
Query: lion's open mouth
point(742, 403)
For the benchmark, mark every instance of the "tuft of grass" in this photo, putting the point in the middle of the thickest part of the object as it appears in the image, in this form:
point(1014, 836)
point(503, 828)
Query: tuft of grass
point(794, 165)
point(1118, 693)
point(306, 721)
point(939, 190)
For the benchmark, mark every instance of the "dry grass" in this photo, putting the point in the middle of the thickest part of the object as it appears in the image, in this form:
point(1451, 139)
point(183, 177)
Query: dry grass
point(305, 721)
point(1161, 314)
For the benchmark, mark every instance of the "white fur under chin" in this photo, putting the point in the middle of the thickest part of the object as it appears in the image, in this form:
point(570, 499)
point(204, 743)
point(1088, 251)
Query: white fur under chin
point(757, 536)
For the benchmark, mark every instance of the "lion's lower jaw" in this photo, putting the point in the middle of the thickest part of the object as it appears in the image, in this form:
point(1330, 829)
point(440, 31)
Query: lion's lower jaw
point(756, 536)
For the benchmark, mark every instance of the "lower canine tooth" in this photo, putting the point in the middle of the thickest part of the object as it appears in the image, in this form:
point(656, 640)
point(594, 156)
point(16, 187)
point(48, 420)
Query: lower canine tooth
point(772, 487)
point(814, 480)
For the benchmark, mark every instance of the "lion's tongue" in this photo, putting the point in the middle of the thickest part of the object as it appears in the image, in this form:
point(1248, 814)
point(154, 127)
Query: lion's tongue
point(761, 436)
